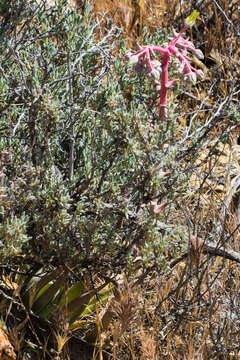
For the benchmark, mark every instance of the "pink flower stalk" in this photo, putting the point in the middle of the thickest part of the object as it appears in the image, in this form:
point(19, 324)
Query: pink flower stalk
point(178, 47)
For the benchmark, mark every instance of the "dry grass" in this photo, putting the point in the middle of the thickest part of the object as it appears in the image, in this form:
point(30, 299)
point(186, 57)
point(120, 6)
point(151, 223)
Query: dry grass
point(183, 320)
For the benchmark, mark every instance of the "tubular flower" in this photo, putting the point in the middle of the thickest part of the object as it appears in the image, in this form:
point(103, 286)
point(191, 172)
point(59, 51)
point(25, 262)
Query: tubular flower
point(143, 61)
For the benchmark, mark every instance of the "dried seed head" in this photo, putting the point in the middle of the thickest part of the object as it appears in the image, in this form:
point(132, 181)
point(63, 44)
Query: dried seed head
point(148, 347)
point(124, 307)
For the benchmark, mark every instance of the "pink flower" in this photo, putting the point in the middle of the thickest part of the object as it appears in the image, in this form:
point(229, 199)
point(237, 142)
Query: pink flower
point(179, 47)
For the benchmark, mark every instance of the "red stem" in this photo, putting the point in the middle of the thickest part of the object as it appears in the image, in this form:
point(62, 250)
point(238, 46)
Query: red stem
point(164, 84)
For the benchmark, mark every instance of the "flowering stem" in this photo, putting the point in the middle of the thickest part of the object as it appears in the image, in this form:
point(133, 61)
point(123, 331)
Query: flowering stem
point(178, 47)
point(163, 89)
point(175, 40)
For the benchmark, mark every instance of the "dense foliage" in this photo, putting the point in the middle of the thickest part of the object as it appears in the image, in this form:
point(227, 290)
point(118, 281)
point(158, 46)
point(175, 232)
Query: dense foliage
point(82, 153)
point(93, 183)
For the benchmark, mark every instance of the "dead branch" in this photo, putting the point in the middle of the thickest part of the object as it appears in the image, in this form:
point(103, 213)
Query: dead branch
point(210, 248)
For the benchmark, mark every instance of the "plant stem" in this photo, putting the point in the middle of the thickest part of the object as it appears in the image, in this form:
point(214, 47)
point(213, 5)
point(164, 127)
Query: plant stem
point(163, 89)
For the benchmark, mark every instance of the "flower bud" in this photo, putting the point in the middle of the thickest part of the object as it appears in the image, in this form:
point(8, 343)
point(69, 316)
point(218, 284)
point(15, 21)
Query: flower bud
point(133, 59)
point(198, 53)
point(200, 74)
point(190, 76)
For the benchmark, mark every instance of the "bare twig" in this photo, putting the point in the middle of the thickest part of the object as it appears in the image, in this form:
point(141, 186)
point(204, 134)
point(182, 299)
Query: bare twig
point(210, 248)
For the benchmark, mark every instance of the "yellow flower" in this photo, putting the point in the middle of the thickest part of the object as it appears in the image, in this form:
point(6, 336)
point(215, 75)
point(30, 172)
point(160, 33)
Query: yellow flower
point(191, 19)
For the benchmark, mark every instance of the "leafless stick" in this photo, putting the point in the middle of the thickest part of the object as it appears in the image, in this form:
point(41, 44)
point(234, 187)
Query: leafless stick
point(223, 12)
point(210, 248)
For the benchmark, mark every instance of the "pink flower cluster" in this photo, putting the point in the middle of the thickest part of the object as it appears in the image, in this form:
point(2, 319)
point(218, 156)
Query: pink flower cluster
point(143, 61)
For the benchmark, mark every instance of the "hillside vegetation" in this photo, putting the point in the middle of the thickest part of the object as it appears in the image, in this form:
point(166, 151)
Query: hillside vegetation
point(119, 227)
